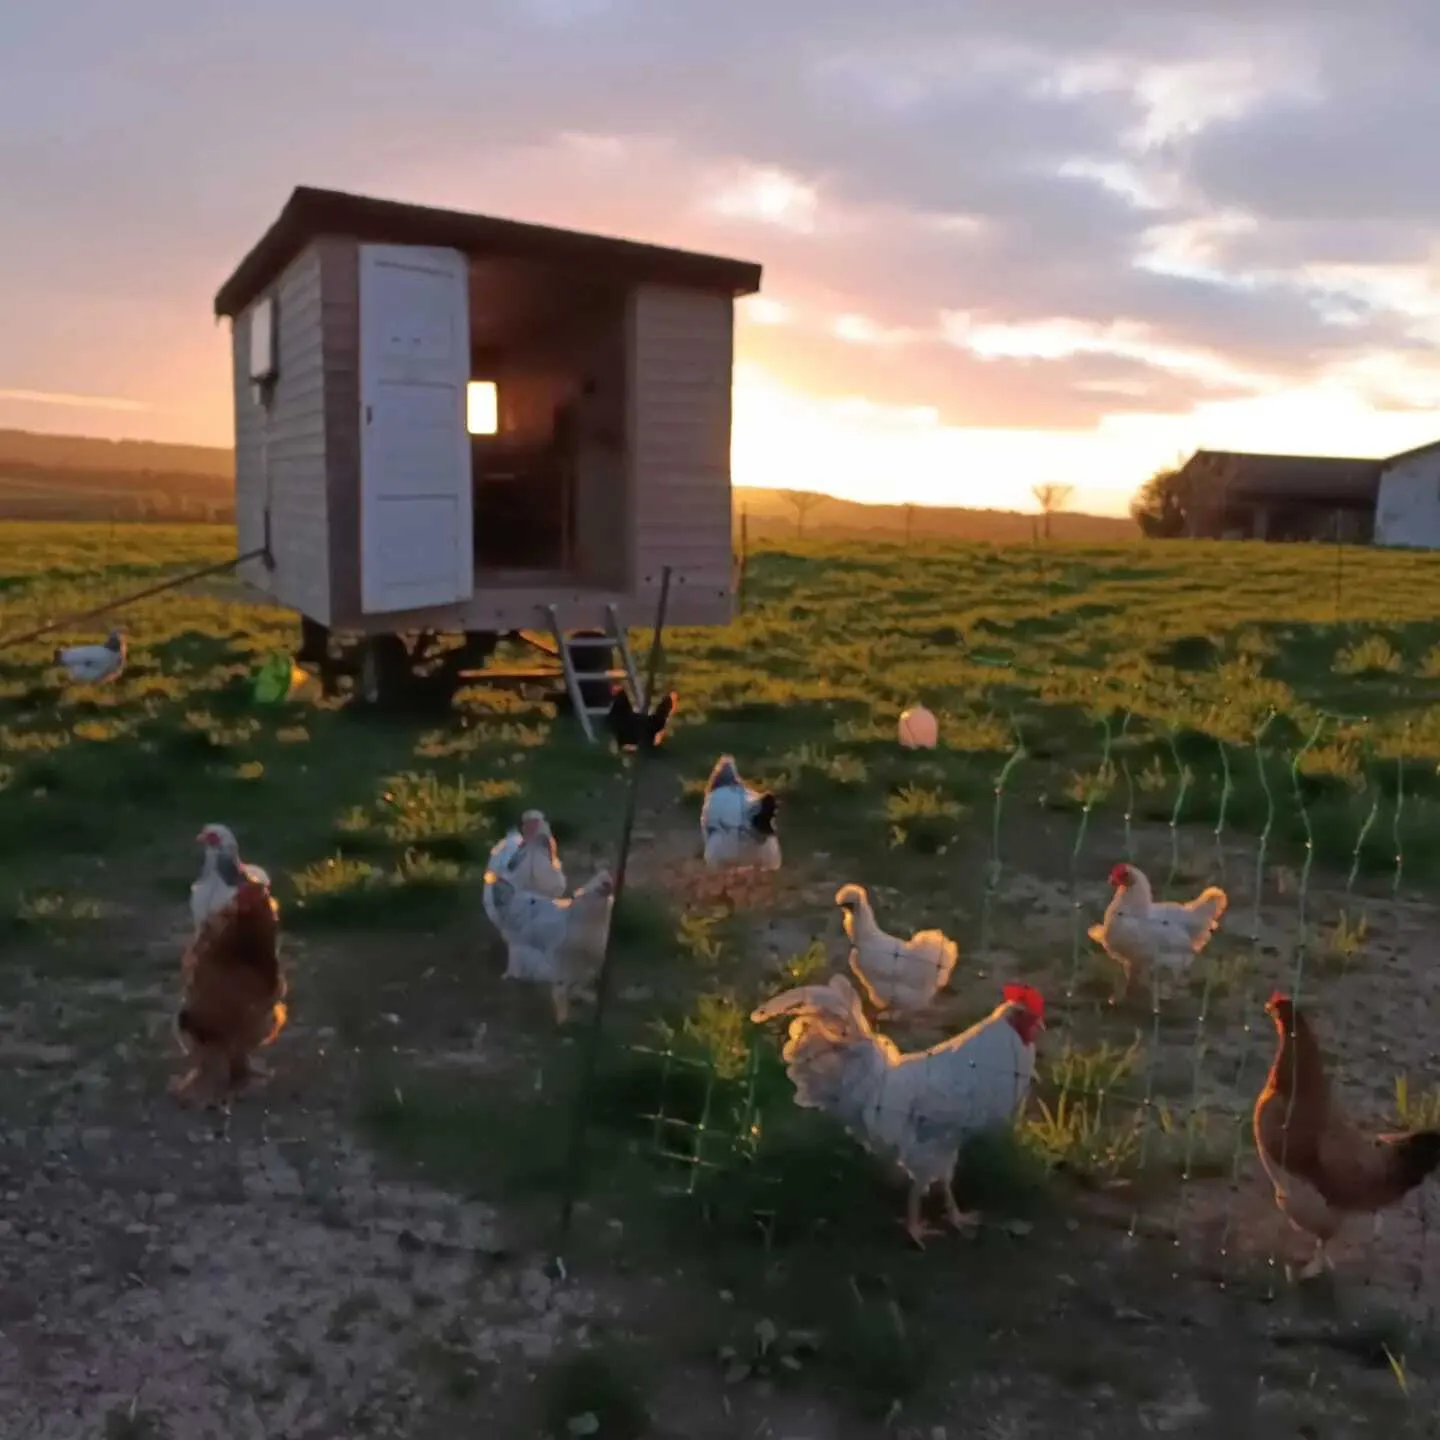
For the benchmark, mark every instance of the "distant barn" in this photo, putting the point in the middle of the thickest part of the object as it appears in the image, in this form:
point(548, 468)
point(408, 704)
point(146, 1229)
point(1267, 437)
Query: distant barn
point(1243, 496)
point(1407, 510)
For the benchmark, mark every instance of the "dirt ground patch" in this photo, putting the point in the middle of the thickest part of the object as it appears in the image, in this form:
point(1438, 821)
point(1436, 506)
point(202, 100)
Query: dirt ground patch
point(276, 1278)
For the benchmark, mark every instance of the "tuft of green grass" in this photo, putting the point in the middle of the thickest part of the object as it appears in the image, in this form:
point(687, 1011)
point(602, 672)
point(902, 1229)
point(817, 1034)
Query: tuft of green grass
point(1416, 1109)
point(1374, 655)
point(1343, 944)
point(343, 892)
point(1082, 1122)
point(884, 1359)
point(922, 819)
point(809, 967)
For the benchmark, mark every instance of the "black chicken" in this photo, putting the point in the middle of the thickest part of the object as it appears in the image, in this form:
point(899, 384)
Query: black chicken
point(633, 729)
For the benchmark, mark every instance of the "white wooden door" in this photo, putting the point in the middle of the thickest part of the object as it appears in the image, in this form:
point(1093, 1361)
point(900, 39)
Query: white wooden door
point(416, 511)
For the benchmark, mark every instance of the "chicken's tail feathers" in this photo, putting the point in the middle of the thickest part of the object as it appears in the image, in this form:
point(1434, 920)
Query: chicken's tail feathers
point(763, 821)
point(1415, 1157)
point(667, 706)
point(1206, 908)
point(835, 999)
point(1212, 899)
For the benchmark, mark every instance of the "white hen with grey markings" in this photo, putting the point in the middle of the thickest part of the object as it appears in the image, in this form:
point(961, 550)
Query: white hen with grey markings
point(94, 664)
point(524, 861)
point(737, 824)
point(221, 871)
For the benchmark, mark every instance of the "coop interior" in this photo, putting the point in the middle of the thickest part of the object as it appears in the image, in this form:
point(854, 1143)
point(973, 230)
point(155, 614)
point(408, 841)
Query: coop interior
point(547, 420)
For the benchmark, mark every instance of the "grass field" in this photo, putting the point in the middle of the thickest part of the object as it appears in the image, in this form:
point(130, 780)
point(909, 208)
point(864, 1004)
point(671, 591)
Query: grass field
point(369, 1248)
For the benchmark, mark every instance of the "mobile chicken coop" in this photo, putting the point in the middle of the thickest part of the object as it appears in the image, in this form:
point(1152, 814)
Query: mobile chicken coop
point(451, 429)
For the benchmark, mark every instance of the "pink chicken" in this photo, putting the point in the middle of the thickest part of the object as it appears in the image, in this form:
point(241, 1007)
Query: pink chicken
point(1158, 938)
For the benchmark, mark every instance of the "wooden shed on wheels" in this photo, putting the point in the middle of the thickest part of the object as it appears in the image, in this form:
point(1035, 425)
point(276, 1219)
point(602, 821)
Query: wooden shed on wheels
point(448, 424)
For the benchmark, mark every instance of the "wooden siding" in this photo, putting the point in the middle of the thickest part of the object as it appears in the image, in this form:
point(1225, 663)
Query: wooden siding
point(280, 452)
point(340, 308)
point(678, 382)
point(681, 356)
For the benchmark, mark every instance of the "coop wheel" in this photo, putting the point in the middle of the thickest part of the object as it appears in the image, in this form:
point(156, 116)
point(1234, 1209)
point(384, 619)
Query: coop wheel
point(385, 672)
point(314, 643)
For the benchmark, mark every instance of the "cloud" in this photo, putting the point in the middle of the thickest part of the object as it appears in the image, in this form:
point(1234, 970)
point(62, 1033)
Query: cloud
point(77, 402)
point(1205, 200)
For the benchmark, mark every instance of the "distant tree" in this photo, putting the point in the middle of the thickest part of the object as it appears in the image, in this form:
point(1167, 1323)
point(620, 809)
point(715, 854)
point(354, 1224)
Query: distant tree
point(1051, 499)
point(1161, 506)
point(802, 502)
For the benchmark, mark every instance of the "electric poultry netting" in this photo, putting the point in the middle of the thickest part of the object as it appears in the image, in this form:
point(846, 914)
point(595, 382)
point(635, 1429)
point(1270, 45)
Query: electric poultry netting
point(1183, 1094)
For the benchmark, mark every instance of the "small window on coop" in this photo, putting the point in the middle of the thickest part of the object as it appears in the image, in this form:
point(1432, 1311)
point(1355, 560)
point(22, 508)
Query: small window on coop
point(482, 407)
point(264, 343)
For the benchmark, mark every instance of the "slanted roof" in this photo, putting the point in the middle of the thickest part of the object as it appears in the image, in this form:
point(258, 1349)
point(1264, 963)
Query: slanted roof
point(1321, 479)
point(310, 213)
point(1411, 453)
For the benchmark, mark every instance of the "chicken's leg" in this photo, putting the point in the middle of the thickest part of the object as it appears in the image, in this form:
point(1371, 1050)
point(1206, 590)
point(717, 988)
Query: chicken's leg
point(1317, 1264)
point(915, 1225)
point(962, 1220)
point(560, 995)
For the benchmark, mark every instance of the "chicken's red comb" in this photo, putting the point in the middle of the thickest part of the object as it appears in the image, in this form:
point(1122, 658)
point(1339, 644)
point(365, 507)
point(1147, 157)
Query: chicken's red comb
point(1028, 996)
point(1120, 874)
point(1277, 997)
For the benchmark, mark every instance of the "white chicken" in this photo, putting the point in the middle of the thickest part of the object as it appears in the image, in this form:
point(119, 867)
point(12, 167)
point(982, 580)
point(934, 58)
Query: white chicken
point(559, 943)
point(1155, 938)
point(896, 975)
point(917, 1109)
point(525, 860)
point(94, 664)
point(737, 823)
point(221, 871)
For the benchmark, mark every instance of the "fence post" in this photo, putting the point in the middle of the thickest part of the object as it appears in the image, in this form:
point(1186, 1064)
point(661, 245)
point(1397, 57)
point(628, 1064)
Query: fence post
point(580, 1120)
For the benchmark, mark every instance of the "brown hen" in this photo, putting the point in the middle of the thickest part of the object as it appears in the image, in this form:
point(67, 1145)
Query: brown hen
point(234, 993)
point(1323, 1168)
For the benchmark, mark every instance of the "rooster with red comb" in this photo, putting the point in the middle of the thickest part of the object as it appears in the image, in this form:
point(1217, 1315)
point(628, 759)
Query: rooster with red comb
point(917, 1109)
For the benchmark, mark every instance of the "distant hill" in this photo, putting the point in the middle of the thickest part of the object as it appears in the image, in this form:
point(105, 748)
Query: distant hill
point(83, 452)
point(76, 477)
point(70, 477)
point(771, 515)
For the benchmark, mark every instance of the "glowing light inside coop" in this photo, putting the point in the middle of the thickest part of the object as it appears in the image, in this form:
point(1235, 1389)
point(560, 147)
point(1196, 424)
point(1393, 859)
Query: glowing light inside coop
point(482, 407)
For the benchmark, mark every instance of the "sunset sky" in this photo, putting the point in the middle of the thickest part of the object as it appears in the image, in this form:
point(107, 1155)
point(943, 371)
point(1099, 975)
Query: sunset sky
point(1004, 243)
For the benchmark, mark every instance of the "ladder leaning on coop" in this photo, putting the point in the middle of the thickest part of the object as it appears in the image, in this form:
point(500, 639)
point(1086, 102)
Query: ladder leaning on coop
point(614, 639)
